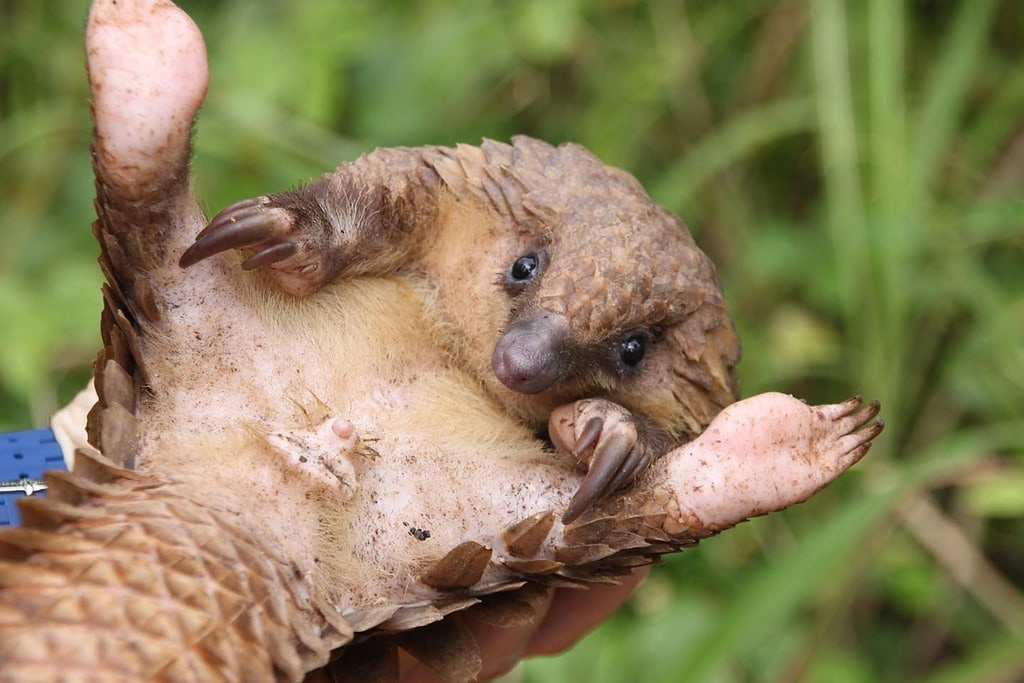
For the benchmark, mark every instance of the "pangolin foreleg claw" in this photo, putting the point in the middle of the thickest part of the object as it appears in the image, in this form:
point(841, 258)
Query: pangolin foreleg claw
point(248, 224)
point(291, 242)
point(607, 440)
point(270, 255)
point(610, 457)
point(589, 436)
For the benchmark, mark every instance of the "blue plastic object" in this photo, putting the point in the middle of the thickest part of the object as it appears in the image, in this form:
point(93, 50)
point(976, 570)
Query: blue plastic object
point(25, 455)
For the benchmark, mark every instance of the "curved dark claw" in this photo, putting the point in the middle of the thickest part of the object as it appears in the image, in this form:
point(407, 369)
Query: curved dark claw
point(605, 467)
point(242, 225)
point(636, 462)
point(236, 210)
point(589, 436)
point(238, 234)
point(270, 255)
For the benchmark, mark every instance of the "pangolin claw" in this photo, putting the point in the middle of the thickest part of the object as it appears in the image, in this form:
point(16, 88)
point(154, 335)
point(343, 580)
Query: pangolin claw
point(611, 457)
point(589, 436)
point(636, 462)
point(233, 211)
point(270, 255)
point(242, 225)
point(611, 441)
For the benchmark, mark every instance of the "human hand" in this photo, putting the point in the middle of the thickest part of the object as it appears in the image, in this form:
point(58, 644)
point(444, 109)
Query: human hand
point(567, 615)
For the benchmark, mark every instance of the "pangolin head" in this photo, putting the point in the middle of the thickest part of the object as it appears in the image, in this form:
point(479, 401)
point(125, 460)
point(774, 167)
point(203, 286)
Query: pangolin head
point(610, 296)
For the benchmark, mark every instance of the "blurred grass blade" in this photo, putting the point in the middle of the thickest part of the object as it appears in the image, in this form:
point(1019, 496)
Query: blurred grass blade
point(887, 150)
point(1000, 660)
point(728, 144)
point(886, 166)
point(843, 196)
point(945, 96)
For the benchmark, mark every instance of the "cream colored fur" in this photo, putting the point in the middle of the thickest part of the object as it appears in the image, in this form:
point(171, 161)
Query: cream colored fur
point(432, 445)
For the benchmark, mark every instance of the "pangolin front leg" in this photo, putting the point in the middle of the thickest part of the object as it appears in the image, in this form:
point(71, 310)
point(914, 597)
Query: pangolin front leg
point(367, 217)
point(296, 242)
point(614, 444)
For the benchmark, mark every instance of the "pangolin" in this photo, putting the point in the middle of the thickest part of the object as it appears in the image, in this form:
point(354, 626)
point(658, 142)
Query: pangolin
point(560, 280)
point(281, 483)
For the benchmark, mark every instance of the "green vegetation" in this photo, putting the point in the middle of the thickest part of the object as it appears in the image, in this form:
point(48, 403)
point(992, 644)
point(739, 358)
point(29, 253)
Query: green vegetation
point(853, 168)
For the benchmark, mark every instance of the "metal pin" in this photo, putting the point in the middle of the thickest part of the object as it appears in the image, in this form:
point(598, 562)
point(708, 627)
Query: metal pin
point(23, 485)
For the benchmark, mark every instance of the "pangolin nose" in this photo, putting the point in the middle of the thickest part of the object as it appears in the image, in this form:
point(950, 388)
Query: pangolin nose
point(526, 359)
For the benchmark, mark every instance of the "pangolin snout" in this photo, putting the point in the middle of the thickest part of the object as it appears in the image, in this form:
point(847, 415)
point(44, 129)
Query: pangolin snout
point(529, 357)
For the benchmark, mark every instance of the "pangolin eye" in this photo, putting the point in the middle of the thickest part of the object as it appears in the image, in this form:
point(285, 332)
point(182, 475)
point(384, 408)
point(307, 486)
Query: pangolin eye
point(632, 349)
point(525, 268)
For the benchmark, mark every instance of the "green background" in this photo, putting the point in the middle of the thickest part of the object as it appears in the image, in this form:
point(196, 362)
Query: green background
point(854, 169)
